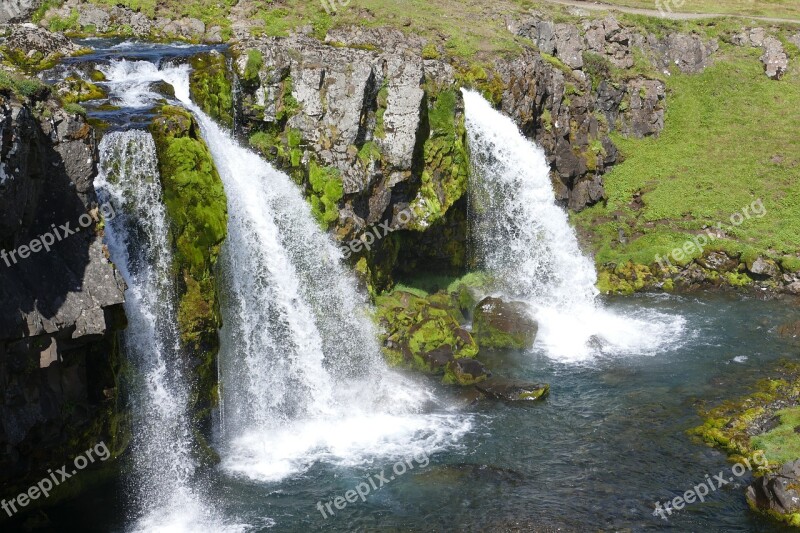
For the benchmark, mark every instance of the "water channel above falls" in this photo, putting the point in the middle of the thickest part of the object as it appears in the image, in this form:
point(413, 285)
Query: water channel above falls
point(608, 442)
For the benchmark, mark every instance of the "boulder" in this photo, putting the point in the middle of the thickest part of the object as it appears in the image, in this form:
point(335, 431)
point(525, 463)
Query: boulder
point(498, 324)
point(777, 492)
point(466, 371)
point(688, 52)
point(512, 390)
point(424, 333)
point(646, 110)
point(29, 38)
point(763, 267)
point(774, 58)
point(91, 15)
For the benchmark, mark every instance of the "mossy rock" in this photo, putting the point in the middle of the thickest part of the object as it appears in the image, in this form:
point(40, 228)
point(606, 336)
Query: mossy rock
point(423, 332)
point(74, 90)
point(465, 371)
point(197, 207)
point(211, 87)
point(503, 325)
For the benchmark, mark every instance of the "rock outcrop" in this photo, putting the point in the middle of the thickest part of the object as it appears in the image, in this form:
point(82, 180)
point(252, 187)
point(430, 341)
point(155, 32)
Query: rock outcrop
point(17, 10)
point(774, 57)
point(60, 297)
point(498, 324)
point(778, 493)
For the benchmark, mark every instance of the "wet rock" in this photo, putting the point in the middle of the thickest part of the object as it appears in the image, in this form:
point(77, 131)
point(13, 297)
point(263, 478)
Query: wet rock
point(777, 492)
point(498, 324)
point(512, 390)
point(424, 333)
point(163, 88)
point(466, 371)
point(60, 307)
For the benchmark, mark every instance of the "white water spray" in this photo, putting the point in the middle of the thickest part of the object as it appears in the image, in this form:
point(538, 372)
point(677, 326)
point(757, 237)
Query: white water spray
point(301, 373)
point(137, 239)
point(524, 241)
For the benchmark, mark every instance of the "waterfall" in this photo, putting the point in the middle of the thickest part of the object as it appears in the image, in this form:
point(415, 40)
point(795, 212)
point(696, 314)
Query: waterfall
point(301, 373)
point(524, 241)
point(137, 240)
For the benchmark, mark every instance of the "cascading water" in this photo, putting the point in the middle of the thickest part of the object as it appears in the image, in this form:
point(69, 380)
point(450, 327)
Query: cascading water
point(524, 241)
point(301, 372)
point(137, 239)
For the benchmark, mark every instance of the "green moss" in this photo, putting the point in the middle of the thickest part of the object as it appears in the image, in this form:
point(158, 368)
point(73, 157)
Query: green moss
point(211, 87)
point(75, 109)
point(445, 177)
point(415, 326)
point(252, 69)
point(326, 192)
point(429, 51)
point(195, 201)
point(28, 61)
point(77, 90)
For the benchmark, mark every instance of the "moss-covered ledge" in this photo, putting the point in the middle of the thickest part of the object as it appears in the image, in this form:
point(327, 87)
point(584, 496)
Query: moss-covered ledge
point(195, 200)
point(760, 425)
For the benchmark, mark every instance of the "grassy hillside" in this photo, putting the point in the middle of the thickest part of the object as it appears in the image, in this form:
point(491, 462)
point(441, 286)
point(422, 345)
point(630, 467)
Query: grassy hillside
point(731, 137)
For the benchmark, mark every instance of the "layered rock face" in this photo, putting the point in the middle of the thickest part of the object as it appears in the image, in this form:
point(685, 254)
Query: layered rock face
point(17, 10)
point(60, 298)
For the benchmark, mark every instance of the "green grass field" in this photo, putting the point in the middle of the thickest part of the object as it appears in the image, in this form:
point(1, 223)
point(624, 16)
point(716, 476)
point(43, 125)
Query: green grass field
point(731, 137)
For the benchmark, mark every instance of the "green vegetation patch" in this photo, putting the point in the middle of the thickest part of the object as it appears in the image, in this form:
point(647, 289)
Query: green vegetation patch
point(721, 150)
point(211, 87)
point(781, 444)
point(195, 200)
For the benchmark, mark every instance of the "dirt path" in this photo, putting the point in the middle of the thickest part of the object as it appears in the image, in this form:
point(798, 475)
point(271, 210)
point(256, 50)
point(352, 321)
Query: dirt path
point(599, 6)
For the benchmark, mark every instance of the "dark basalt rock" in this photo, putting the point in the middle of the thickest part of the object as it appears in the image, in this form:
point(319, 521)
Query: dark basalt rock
point(500, 324)
point(778, 492)
point(512, 390)
point(59, 309)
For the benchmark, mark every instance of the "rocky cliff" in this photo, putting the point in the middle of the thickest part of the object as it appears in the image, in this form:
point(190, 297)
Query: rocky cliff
point(60, 297)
